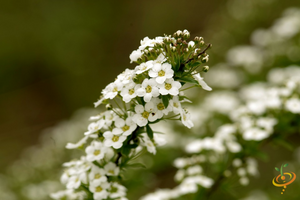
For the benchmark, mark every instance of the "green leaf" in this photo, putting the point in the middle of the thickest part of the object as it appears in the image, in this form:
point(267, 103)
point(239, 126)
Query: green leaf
point(285, 165)
point(149, 131)
point(276, 169)
point(125, 150)
point(195, 64)
point(165, 100)
point(188, 80)
point(136, 165)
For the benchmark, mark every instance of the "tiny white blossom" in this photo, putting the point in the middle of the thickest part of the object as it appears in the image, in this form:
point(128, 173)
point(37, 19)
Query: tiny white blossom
point(129, 91)
point(112, 89)
point(112, 169)
point(95, 151)
point(146, 141)
point(95, 126)
point(170, 87)
point(161, 72)
point(97, 175)
point(255, 134)
point(135, 55)
point(99, 190)
point(114, 138)
point(145, 66)
point(148, 90)
point(161, 109)
point(126, 126)
point(117, 190)
point(293, 105)
point(201, 82)
point(186, 118)
point(175, 105)
point(145, 114)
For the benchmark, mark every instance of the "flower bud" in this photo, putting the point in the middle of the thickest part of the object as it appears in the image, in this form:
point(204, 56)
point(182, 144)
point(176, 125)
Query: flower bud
point(205, 68)
point(179, 41)
point(201, 43)
point(186, 34)
point(173, 49)
point(108, 107)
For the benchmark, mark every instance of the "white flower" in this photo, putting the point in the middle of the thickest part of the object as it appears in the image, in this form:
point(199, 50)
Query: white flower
point(129, 91)
point(201, 82)
point(94, 127)
point(146, 42)
point(237, 162)
point(161, 109)
point(145, 114)
point(241, 172)
point(112, 89)
point(145, 66)
point(161, 72)
point(194, 170)
point(180, 163)
point(78, 144)
point(170, 87)
point(126, 126)
point(148, 90)
point(186, 118)
point(126, 76)
point(95, 151)
point(97, 175)
point(117, 190)
point(255, 134)
point(96, 104)
point(99, 189)
point(146, 141)
point(135, 55)
point(244, 181)
point(175, 105)
point(293, 105)
point(75, 180)
point(110, 116)
point(112, 169)
point(114, 139)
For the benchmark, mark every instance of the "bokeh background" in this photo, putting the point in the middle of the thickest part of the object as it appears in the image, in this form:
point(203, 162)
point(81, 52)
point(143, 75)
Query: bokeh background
point(56, 56)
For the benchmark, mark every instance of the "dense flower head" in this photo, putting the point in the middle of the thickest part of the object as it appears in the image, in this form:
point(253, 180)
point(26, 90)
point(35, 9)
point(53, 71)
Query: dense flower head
point(151, 92)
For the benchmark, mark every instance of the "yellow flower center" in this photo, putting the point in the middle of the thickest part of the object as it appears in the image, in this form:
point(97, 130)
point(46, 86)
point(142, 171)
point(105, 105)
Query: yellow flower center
point(161, 73)
point(131, 91)
point(99, 189)
point(96, 152)
point(168, 86)
point(115, 138)
point(145, 114)
point(97, 176)
point(125, 128)
point(160, 106)
point(115, 89)
point(175, 105)
point(111, 171)
point(148, 89)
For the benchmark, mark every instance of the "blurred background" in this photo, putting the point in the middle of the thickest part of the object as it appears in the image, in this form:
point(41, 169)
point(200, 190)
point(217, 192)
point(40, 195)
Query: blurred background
point(56, 56)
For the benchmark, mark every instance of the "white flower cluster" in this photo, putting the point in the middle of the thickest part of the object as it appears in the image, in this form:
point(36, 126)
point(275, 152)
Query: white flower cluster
point(147, 94)
point(254, 120)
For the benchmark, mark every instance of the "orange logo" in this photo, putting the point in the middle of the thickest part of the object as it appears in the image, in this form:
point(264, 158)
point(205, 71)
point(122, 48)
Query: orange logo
point(286, 178)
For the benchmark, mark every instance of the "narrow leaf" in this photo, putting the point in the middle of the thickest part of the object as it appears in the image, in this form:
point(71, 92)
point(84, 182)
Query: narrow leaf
point(188, 80)
point(285, 165)
point(136, 165)
point(276, 169)
point(165, 100)
point(149, 131)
